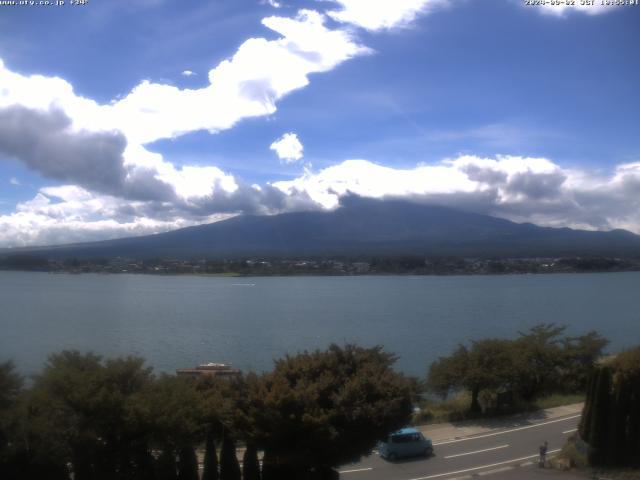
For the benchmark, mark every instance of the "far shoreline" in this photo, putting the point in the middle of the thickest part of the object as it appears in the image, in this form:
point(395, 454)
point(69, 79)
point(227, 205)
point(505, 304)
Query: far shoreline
point(311, 275)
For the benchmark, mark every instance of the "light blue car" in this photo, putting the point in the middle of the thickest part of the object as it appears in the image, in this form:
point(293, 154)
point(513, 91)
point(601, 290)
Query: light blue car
point(407, 442)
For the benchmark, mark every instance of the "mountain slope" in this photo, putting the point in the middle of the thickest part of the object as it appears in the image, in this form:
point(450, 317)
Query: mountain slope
point(360, 228)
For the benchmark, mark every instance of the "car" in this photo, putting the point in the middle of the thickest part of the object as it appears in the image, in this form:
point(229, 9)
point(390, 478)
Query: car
point(407, 442)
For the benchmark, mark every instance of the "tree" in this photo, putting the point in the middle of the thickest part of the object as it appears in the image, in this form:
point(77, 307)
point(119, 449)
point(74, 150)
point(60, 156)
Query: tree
point(250, 463)
point(488, 364)
point(536, 363)
point(169, 411)
point(229, 467)
point(580, 355)
point(539, 360)
point(10, 386)
point(166, 468)
point(611, 418)
point(81, 405)
point(490, 367)
point(210, 471)
point(447, 373)
point(321, 409)
point(626, 422)
point(10, 390)
point(601, 417)
point(187, 464)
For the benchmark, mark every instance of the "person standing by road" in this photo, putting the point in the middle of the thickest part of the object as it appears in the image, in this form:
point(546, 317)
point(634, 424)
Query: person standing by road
point(543, 454)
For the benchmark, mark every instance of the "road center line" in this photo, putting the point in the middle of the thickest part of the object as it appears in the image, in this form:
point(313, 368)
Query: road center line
point(507, 431)
point(355, 470)
point(570, 431)
point(482, 466)
point(477, 451)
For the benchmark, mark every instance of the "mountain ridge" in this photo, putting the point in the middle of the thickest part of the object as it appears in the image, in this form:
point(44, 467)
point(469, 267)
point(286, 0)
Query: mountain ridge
point(360, 227)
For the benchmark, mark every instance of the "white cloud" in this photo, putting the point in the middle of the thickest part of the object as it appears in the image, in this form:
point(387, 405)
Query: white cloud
point(188, 73)
point(288, 148)
point(247, 85)
point(562, 10)
point(101, 146)
point(69, 213)
point(522, 189)
point(273, 3)
point(382, 14)
point(14, 181)
point(117, 187)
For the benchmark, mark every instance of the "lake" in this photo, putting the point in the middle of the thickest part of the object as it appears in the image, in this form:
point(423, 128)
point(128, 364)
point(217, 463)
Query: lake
point(181, 321)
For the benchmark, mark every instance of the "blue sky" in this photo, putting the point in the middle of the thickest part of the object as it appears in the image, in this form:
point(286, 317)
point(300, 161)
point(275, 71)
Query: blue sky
point(126, 118)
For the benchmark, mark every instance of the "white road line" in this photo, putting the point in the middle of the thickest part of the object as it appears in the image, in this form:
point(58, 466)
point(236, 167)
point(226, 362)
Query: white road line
point(507, 431)
point(482, 466)
point(477, 451)
point(570, 431)
point(495, 470)
point(356, 470)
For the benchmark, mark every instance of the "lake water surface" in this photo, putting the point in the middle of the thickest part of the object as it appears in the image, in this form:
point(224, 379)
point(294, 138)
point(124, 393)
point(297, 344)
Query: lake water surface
point(180, 321)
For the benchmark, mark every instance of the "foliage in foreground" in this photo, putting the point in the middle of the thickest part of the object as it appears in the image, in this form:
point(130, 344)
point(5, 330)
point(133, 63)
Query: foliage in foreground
point(456, 407)
point(610, 422)
point(538, 363)
point(90, 418)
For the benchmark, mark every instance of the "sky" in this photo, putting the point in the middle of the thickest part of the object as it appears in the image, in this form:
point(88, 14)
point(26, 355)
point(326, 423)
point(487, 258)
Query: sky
point(122, 118)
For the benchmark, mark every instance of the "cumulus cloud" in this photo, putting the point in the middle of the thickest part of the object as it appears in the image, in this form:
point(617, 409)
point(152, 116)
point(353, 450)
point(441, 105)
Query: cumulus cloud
point(246, 85)
point(74, 139)
point(523, 189)
point(188, 73)
point(115, 186)
point(101, 147)
point(70, 214)
point(42, 141)
point(563, 10)
point(288, 148)
point(382, 14)
point(15, 182)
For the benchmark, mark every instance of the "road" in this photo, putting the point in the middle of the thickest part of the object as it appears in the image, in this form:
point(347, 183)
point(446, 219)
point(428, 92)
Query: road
point(494, 450)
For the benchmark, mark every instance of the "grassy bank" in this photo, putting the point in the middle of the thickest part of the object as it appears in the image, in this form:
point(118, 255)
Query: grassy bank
point(457, 408)
point(573, 456)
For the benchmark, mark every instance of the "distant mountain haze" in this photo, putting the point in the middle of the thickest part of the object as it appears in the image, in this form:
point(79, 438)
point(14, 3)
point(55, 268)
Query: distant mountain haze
point(359, 228)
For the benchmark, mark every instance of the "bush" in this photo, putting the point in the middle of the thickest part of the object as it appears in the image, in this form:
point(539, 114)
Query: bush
point(574, 453)
point(453, 409)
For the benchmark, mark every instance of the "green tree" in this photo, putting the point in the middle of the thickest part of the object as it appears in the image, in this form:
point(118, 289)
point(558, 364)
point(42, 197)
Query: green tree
point(169, 410)
point(600, 419)
point(166, 467)
point(487, 365)
point(187, 463)
point(490, 367)
point(448, 373)
point(611, 417)
point(250, 463)
point(580, 355)
point(229, 467)
point(626, 422)
point(210, 471)
point(80, 405)
point(321, 409)
point(536, 363)
point(539, 360)
point(10, 389)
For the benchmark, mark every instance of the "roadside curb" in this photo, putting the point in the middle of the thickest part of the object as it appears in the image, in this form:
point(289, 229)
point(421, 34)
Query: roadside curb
point(507, 468)
point(442, 432)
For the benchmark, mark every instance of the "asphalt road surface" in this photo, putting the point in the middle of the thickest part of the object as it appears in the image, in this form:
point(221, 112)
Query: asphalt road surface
point(493, 451)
